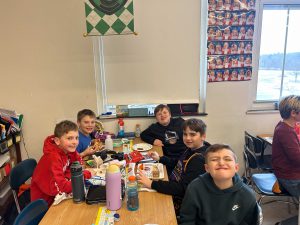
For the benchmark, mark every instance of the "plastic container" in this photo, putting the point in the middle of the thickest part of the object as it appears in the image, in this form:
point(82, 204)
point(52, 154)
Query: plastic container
point(121, 128)
point(132, 194)
point(137, 132)
point(109, 143)
point(113, 188)
point(77, 182)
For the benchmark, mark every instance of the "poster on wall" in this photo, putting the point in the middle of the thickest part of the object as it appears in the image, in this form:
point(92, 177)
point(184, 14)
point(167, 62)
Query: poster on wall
point(111, 17)
point(230, 40)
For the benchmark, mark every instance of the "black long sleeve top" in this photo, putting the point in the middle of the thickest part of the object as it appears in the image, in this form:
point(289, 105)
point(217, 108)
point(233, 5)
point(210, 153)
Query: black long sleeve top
point(158, 131)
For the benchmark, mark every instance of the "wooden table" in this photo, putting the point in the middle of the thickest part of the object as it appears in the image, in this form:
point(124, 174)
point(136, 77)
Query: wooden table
point(267, 138)
point(155, 208)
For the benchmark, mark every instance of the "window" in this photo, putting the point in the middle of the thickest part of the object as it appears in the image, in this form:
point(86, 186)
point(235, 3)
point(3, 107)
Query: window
point(160, 65)
point(278, 48)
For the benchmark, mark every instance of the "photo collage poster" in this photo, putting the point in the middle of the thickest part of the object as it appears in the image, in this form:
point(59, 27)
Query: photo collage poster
point(230, 40)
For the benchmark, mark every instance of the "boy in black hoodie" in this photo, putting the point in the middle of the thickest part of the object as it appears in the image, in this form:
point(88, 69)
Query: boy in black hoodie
point(166, 132)
point(186, 168)
point(219, 197)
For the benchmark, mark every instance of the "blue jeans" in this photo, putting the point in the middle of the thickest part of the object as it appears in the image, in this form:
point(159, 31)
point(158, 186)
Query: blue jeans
point(291, 186)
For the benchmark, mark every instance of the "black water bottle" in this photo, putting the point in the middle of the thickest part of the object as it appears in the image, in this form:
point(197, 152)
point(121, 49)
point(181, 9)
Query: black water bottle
point(77, 182)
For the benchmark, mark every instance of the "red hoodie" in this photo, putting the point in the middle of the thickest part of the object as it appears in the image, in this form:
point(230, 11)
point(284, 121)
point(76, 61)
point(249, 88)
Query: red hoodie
point(52, 174)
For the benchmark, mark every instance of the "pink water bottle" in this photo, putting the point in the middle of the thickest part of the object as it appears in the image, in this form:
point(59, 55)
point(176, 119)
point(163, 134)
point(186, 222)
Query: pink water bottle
point(113, 188)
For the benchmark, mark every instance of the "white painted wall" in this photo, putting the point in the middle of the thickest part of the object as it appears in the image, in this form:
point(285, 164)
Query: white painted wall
point(47, 71)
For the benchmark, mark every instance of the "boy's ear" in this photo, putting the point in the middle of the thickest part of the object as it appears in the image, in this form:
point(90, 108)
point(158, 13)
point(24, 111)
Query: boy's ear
point(57, 140)
point(206, 168)
point(237, 167)
point(203, 137)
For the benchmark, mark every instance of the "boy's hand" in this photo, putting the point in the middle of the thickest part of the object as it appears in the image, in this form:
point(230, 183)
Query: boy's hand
point(158, 143)
point(88, 151)
point(154, 155)
point(143, 179)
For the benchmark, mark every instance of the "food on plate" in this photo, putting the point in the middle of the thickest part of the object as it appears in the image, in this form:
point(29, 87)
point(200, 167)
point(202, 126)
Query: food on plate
point(97, 144)
point(155, 172)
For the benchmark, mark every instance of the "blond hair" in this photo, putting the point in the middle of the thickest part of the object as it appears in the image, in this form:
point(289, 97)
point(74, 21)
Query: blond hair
point(288, 104)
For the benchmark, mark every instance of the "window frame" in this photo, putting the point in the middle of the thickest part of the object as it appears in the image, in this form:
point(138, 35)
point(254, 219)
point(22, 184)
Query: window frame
point(262, 104)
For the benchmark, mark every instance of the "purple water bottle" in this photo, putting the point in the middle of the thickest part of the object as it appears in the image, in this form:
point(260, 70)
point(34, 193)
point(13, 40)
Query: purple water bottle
point(113, 188)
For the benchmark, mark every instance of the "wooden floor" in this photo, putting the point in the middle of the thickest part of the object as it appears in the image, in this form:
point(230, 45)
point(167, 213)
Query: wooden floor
point(277, 211)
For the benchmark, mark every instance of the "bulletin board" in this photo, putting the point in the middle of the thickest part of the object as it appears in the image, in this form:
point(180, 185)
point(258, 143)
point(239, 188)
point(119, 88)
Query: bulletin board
point(230, 40)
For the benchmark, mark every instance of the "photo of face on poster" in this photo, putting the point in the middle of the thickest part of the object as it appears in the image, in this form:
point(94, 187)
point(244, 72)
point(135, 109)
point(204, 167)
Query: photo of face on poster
point(226, 34)
point(211, 63)
point(212, 5)
point(250, 18)
point(219, 63)
point(226, 75)
point(241, 75)
point(248, 61)
point(227, 5)
point(242, 19)
point(211, 75)
point(227, 19)
point(211, 18)
point(234, 33)
point(218, 50)
point(219, 75)
point(211, 34)
point(241, 47)
point(242, 33)
point(211, 49)
point(219, 5)
point(226, 62)
point(249, 33)
point(225, 48)
point(234, 75)
point(248, 48)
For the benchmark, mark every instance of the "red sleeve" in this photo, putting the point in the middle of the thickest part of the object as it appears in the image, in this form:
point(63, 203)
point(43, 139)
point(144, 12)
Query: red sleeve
point(61, 182)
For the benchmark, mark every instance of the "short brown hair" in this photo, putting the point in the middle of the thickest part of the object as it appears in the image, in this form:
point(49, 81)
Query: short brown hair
point(85, 112)
point(288, 104)
point(64, 127)
point(216, 148)
point(161, 107)
point(195, 125)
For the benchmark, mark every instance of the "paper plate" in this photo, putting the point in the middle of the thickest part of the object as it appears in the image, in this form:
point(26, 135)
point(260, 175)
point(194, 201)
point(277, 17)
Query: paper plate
point(142, 147)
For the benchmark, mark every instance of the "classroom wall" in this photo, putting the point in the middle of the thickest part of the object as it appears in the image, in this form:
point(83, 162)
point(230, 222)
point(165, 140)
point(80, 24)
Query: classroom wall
point(47, 72)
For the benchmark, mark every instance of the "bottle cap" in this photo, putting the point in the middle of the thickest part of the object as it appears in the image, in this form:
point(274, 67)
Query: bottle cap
point(113, 169)
point(116, 216)
point(131, 178)
point(108, 136)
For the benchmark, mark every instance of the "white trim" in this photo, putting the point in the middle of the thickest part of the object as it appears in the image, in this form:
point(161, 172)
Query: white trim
point(203, 58)
point(100, 74)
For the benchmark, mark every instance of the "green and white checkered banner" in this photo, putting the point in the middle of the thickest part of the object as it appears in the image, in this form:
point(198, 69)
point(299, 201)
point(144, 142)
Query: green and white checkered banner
point(109, 17)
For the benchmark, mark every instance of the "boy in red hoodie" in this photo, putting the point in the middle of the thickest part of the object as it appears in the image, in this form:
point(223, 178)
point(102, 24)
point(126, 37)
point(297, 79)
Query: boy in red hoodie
point(52, 174)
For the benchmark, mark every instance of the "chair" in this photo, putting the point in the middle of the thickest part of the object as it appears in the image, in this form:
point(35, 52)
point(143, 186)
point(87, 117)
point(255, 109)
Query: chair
point(18, 176)
point(262, 183)
point(33, 213)
point(256, 145)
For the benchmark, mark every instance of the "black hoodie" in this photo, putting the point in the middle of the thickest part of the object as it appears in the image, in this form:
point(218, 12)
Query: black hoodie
point(205, 204)
point(158, 131)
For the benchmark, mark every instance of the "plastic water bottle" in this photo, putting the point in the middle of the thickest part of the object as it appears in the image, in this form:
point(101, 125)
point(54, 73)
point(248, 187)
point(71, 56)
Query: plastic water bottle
point(121, 128)
point(113, 188)
point(77, 182)
point(137, 130)
point(109, 143)
point(132, 194)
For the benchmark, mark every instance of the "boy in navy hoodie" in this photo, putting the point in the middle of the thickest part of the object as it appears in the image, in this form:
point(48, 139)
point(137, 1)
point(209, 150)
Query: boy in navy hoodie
point(219, 196)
